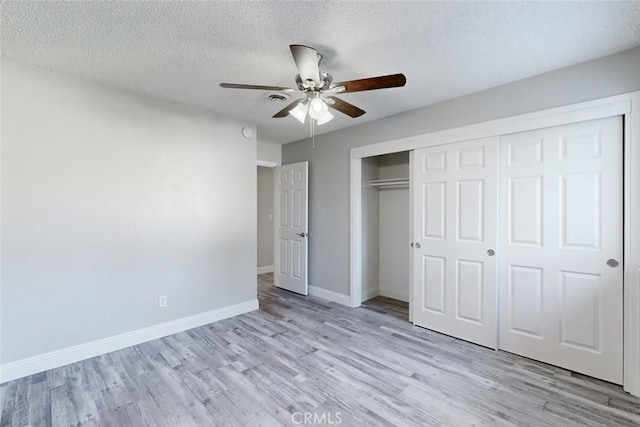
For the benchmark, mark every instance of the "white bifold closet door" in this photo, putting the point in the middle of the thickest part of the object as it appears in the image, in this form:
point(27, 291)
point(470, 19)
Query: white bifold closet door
point(553, 291)
point(455, 210)
point(561, 246)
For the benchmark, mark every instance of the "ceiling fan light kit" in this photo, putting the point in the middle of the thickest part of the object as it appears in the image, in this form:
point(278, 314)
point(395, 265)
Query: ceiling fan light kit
point(324, 119)
point(318, 108)
point(300, 112)
point(319, 89)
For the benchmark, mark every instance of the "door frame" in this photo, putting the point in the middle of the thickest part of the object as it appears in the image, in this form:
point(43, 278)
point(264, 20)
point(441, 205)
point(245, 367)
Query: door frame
point(272, 165)
point(626, 105)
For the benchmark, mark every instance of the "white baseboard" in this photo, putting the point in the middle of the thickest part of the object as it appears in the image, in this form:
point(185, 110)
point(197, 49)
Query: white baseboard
point(265, 269)
point(330, 295)
point(395, 294)
point(55, 359)
point(370, 293)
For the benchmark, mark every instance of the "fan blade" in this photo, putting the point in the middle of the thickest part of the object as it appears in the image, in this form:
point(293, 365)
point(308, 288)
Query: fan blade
point(273, 88)
point(306, 59)
point(372, 83)
point(285, 111)
point(344, 107)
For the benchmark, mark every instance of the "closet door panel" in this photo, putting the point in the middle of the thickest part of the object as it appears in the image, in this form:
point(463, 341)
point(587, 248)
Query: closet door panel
point(455, 210)
point(561, 297)
point(435, 218)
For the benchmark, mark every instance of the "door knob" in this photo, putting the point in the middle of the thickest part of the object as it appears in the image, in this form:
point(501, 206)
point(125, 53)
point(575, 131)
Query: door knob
point(491, 252)
point(417, 245)
point(612, 263)
point(303, 234)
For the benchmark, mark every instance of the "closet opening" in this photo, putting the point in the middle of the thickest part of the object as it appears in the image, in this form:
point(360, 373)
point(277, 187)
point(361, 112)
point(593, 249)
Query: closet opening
point(386, 234)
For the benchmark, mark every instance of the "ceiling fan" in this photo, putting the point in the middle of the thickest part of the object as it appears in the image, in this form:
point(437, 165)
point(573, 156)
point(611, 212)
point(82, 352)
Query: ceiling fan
point(320, 89)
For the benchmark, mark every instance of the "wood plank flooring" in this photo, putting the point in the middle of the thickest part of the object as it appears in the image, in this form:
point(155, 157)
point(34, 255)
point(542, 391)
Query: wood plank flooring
point(304, 361)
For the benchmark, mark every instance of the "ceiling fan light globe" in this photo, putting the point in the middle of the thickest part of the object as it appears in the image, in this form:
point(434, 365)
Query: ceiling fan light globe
point(317, 108)
point(300, 112)
point(325, 119)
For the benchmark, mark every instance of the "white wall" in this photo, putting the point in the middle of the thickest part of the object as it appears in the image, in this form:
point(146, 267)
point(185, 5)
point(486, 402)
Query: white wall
point(110, 200)
point(265, 217)
point(329, 161)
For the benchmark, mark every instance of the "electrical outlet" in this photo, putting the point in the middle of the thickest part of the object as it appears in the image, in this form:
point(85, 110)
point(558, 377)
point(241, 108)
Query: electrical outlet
point(270, 217)
point(162, 301)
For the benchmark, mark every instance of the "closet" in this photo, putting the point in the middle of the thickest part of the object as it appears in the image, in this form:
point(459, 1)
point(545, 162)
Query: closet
point(518, 242)
point(386, 226)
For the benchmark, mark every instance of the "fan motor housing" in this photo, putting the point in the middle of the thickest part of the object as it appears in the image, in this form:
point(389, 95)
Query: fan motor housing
point(325, 79)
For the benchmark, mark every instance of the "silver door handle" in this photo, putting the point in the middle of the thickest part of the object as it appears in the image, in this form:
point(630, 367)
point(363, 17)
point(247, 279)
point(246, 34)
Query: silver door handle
point(491, 252)
point(612, 263)
point(303, 234)
point(417, 245)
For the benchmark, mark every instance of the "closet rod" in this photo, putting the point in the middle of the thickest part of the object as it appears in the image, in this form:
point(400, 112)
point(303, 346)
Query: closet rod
point(398, 182)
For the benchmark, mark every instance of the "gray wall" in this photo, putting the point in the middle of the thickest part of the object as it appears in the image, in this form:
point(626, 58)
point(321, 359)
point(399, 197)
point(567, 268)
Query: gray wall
point(394, 251)
point(329, 161)
point(110, 200)
point(269, 152)
point(370, 230)
point(265, 217)
point(394, 165)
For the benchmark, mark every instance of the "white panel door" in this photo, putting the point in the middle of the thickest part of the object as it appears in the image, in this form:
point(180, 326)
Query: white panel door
point(454, 222)
point(291, 214)
point(561, 223)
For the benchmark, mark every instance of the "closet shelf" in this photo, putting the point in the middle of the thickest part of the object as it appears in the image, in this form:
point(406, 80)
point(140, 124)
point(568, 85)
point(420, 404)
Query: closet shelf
point(386, 183)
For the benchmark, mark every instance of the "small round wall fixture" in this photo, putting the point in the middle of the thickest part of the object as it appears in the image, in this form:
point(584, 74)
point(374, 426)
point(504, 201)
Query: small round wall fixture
point(247, 132)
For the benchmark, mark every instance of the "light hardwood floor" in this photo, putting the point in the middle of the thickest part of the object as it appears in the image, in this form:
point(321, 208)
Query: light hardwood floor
point(303, 357)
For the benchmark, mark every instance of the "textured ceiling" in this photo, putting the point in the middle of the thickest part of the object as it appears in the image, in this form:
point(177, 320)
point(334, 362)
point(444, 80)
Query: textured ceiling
point(182, 50)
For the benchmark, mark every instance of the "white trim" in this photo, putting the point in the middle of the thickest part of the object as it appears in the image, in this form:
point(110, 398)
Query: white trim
point(55, 359)
point(356, 232)
point(370, 293)
point(267, 163)
point(265, 269)
point(598, 109)
point(631, 263)
point(410, 248)
point(329, 295)
point(627, 105)
point(395, 294)
point(276, 234)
